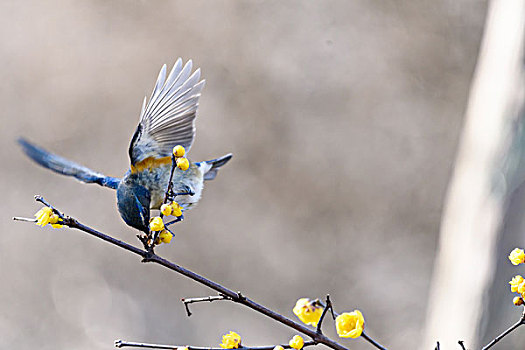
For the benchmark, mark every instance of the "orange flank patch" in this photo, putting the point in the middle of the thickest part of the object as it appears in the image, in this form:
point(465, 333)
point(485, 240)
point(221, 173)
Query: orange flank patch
point(150, 163)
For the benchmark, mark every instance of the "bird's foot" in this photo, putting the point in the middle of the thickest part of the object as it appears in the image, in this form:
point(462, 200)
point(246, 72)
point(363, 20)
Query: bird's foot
point(148, 242)
point(178, 219)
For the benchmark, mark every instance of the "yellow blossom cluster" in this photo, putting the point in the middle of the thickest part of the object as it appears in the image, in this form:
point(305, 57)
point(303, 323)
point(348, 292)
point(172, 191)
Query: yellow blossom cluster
point(156, 224)
point(231, 340)
point(517, 283)
point(172, 208)
point(348, 324)
point(182, 163)
point(46, 216)
point(308, 311)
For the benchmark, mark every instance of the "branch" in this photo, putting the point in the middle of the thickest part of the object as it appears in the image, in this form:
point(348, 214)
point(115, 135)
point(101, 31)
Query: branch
point(188, 301)
point(372, 341)
point(506, 332)
point(325, 310)
point(122, 343)
point(151, 257)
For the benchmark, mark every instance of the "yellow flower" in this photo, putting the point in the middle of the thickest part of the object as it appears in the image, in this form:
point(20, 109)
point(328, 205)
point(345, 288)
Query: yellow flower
point(278, 347)
point(308, 311)
point(179, 151)
point(231, 340)
point(350, 324)
point(165, 236)
point(166, 209)
point(183, 348)
point(43, 216)
point(515, 282)
point(296, 342)
point(54, 221)
point(183, 163)
point(156, 224)
point(517, 301)
point(177, 209)
point(521, 287)
point(517, 256)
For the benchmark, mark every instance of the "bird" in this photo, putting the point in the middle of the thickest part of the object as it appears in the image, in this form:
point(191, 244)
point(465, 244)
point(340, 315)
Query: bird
point(167, 120)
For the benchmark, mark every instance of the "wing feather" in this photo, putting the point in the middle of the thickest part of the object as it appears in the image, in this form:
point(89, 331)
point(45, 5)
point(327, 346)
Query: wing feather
point(168, 118)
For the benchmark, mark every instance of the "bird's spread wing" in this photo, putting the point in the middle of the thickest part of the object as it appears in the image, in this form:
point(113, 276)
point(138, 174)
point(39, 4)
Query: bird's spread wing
point(168, 118)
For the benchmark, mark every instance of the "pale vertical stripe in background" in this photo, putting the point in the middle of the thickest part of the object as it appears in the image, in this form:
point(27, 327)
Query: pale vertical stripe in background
point(474, 208)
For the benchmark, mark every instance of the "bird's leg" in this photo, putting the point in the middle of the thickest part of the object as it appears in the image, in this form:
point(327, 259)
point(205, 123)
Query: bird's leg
point(145, 239)
point(173, 234)
point(179, 218)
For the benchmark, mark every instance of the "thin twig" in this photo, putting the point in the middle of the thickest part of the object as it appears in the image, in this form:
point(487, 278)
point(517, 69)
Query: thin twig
point(437, 346)
point(462, 344)
point(150, 256)
point(18, 218)
point(506, 332)
point(41, 199)
point(169, 190)
point(188, 301)
point(121, 344)
point(372, 341)
point(325, 310)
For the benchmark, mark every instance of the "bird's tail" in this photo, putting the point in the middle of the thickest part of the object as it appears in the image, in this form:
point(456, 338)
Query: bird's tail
point(66, 167)
point(214, 165)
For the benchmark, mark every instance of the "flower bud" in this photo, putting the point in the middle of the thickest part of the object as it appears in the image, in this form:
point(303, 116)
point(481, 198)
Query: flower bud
point(156, 224)
point(176, 209)
point(179, 151)
point(166, 209)
point(183, 164)
point(165, 236)
point(518, 301)
point(53, 219)
point(296, 342)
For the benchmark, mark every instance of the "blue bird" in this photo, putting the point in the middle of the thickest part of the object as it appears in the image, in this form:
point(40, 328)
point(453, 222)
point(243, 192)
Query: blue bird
point(166, 120)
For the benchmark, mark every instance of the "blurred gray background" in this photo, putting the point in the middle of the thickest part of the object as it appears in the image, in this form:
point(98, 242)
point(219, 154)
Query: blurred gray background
point(343, 117)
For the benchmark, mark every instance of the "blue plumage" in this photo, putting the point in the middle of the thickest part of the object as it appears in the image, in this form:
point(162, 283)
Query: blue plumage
point(66, 167)
point(133, 205)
